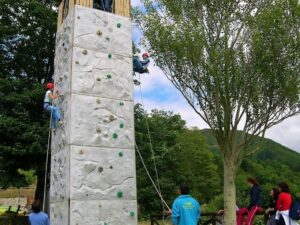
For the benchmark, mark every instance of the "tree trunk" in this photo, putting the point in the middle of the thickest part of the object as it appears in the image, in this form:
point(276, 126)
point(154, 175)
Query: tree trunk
point(229, 191)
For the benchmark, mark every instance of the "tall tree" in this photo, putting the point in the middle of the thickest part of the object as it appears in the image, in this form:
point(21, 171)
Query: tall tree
point(237, 63)
point(27, 40)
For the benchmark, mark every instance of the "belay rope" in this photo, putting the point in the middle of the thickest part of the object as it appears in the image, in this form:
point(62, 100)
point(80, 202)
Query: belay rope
point(47, 160)
point(156, 187)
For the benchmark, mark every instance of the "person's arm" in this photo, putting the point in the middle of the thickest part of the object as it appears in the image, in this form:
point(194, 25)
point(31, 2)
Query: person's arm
point(175, 213)
point(52, 95)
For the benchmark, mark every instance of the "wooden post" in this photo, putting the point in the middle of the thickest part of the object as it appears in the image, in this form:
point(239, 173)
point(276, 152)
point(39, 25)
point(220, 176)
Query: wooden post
point(122, 7)
point(60, 15)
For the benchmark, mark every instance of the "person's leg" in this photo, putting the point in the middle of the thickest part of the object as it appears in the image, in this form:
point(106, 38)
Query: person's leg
point(251, 215)
point(240, 216)
point(97, 4)
point(108, 5)
point(137, 65)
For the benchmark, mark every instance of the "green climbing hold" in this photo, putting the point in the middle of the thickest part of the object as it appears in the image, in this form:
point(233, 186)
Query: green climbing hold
point(109, 56)
point(121, 125)
point(121, 154)
point(105, 223)
point(108, 76)
point(111, 167)
point(115, 136)
point(119, 25)
point(120, 194)
point(121, 103)
point(131, 214)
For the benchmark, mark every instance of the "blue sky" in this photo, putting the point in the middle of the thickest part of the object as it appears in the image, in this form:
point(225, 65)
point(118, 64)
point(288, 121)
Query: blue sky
point(159, 93)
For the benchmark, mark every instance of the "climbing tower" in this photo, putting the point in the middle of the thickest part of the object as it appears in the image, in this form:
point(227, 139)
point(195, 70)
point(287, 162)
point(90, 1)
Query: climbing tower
point(93, 180)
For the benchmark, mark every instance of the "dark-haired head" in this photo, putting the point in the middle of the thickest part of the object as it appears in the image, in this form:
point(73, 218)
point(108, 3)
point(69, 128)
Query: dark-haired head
point(184, 189)
point(36, 206)
point(252, 181)
point(275, 192)
point(283, 187)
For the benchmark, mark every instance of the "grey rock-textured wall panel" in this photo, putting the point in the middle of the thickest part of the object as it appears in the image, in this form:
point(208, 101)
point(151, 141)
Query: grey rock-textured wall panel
point(106, 122)
point(102, 173)
point(102, 74)
point(93, 179)
point(107, 212)
point(97, 29)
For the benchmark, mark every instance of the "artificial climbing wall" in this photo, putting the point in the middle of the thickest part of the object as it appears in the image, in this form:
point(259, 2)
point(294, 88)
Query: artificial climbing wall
point(93, 180)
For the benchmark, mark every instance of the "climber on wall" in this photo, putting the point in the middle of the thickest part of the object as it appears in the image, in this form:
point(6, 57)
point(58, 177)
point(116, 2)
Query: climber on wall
point(105, 5)
point(50, 108)
point(141, 66)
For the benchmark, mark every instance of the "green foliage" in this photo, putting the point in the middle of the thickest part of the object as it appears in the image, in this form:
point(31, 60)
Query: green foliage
point(30, 176)
point(181, 155)
point(27, 40)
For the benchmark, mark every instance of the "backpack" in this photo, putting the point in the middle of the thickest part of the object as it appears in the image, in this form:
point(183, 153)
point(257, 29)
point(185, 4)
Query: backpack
point(295, 210)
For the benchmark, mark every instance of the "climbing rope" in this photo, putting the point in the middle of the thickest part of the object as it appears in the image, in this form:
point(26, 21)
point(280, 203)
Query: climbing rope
point(150, 140)
point(47, 159)
point(152, 181)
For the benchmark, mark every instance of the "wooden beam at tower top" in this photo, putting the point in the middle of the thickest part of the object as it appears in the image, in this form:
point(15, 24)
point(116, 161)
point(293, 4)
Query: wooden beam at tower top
point(120, 7)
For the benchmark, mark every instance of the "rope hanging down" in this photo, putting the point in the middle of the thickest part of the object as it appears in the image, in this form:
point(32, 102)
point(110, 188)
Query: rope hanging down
point(157, 188)
point(47, 159)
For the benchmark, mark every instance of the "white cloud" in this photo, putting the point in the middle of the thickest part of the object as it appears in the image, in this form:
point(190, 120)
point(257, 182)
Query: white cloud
point(136, 3)
point(170, 99)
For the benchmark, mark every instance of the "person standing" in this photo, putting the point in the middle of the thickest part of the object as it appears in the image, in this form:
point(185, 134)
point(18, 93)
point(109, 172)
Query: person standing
point(271, 210)
point(255, 205)
point(185, 209)
point(37, 217)
point(283, 205)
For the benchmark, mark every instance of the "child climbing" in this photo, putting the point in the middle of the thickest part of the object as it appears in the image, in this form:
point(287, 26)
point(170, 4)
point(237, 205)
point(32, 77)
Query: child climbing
point(105, 5)
point(141, 66)
point(50, 108)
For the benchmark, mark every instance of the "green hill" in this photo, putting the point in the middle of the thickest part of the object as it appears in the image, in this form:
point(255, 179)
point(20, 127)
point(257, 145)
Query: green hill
point(270, 164)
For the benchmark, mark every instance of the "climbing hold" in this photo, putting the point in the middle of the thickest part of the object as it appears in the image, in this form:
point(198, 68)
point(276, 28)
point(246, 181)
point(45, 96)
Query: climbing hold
point(78, 17)
point(98, 130)
point(105, 223)
point(84, 52)
point(121, 154)
point(115, 135)
point(121, 103)
point(119, 25)
point(81, 151)
point(111, 118)
point(100, 169)
point(111, 167)
point(60, 78)
point(98, 79)
point(131, 214)
point(108, 76)
point(107, 38)
point(99, 33)
point(99, 206)
point(77, 62)
point(121, 125)
point(120, 194)
point(109, 56)
point(87, 194)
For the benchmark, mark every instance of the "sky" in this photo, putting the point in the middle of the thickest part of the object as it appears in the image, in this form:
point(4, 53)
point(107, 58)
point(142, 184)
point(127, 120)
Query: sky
point(159, 93)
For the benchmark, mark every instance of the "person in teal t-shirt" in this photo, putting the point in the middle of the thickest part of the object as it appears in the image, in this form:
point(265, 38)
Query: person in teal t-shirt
point(185, 209)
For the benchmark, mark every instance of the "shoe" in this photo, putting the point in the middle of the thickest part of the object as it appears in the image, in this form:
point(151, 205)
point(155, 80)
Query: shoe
point(60, 123)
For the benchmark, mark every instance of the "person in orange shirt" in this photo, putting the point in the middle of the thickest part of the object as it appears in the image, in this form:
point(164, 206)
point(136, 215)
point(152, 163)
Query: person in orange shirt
point(283, 204)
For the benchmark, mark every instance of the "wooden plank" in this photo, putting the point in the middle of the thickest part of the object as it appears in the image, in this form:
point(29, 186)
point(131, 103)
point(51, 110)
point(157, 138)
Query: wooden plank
point(71, 5)
point(122, 7)
point(60, 15)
